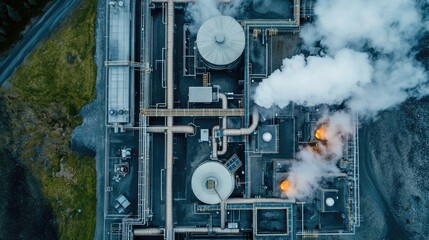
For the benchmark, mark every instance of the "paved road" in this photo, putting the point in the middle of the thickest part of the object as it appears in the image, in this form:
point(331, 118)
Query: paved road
point(37, 32)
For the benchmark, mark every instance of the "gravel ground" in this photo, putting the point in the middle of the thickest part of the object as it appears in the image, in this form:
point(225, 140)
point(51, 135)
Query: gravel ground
point(90, 135)
point(398, 145)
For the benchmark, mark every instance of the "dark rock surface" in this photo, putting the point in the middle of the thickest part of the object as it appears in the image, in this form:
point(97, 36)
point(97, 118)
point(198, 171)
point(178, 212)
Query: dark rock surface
point(399, 147)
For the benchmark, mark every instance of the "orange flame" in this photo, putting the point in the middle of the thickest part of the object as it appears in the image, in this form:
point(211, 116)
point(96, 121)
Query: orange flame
point(285, 185)
point(320, 133)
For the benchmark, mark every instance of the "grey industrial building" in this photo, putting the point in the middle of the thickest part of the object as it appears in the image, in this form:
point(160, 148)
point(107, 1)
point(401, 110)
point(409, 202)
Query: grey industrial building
point(188, 153)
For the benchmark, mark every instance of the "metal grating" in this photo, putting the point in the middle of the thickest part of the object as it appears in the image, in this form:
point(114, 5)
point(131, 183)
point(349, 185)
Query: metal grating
point(233, 164)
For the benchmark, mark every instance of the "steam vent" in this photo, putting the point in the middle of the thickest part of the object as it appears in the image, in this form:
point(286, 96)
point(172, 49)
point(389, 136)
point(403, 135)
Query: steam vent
point(189, 152)
point(221, 41)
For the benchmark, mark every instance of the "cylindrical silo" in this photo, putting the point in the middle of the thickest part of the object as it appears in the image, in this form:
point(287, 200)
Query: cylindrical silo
point(220, 42)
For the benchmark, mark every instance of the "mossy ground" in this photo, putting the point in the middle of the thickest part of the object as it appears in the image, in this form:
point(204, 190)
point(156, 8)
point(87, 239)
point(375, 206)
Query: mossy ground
point(49, 89)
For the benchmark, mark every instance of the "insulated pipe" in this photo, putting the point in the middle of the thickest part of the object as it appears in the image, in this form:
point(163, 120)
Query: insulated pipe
point(224, 124)
point(186, 1)
point(214, 142)
point(244, 131)
point(169, 231)
point(257, 200)
point(169, 234)
point(174, 129)
point(224, 100)
point(215, 152)
point(170, 46)
point(222, 214)
point(147, 231)
point(224, 146)
point(157, 231)
point(205, 230)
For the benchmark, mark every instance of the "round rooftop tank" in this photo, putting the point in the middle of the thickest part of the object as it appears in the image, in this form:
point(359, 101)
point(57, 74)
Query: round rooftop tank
point(220, 41)
point(267, 137)
point(330, 202)
point(212, 182)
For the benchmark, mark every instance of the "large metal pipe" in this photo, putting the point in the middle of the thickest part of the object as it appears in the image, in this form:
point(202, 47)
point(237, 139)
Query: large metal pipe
point(214, 142)
point(175, 129)
point(190, 229)
point(187, 1)
point(244, 131)
point(170, 46)
point(257, 200)
point(231, 132)
point(224, 148)
point(216, 128)
point(222, 214)
point(297, 11)
point(169, 234)
point(224, 123)
point(224, 100)
point(147, 231)
point(205, 230)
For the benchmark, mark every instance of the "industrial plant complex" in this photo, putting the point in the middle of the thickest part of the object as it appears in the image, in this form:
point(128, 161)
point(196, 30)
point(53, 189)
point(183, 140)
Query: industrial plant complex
point(190, 155)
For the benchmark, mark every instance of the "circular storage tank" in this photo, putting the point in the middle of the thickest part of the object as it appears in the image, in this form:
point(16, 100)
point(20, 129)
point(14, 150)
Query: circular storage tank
point(267, 137)
point(330, 202)
point(209, 178)
point(220, 41)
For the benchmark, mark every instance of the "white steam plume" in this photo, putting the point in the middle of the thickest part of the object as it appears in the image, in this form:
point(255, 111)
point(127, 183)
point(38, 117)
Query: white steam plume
point(315, 162)
point(387, 76)
point(386, 25)
point(315, 80)
point(369, 66)
point(201, 10)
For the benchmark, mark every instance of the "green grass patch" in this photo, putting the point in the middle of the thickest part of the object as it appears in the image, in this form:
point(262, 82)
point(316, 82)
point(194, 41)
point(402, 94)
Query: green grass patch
point(61, 69)
point(49, 88)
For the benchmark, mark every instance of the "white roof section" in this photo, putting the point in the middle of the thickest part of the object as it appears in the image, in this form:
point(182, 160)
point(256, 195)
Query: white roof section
point(215, 171)
point(221, 40)
point(119, 31)
point(119, 95)
point(201, 94)
point(204, 135)
point(119, 73)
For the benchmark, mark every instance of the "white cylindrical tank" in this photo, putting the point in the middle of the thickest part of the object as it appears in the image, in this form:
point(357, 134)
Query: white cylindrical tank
point(212, 182)
point(267, 136)
point(330, 202)
point(220, 41)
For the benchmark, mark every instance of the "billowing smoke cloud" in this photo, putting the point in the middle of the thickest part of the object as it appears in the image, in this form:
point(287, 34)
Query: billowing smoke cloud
point(369, 66)
point(384, 76)
point(316, 162)
point(201, 10)
point(385, 25)
point(300, 80)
